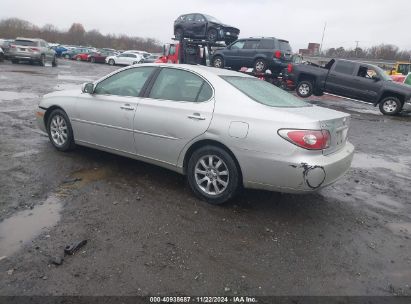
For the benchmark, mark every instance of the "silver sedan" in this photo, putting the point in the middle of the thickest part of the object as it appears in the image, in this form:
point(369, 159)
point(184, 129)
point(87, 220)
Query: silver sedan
point(222, 129)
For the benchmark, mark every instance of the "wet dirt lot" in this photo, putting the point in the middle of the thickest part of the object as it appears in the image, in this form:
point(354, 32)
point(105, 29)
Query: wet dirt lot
point(148, 235)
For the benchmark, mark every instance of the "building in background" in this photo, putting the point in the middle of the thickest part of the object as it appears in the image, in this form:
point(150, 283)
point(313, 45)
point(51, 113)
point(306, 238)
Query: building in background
point(313, 49)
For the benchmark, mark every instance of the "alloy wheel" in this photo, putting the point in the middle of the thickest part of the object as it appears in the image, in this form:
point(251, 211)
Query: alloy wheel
point(58, 130)
point(390, 106)
point(211, 175)
point(304, 89)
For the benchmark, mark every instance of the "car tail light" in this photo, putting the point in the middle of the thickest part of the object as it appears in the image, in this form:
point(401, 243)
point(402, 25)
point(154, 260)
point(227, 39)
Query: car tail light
point(277, 54)
point(12, 46)
point(34, 49)
point(307, 139)
point(289, 68)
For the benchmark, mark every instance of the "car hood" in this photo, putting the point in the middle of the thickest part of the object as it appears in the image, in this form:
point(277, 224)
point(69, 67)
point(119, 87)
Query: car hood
point(398, 87)
point(64, 93)
point(224, 25)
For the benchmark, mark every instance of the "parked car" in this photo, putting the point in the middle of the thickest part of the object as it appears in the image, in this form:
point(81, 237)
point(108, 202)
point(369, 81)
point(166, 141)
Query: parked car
point(5, 45)
point(59, 49)
point(70, 54)
point(32, 50)
point(124, 59)
point(142, 53)
point(100, 57)
point(151, 58)
point(258, 53)
point(1, 55)
point(352, 79)
point(81, 57)
point(203, 26)
point(221, 128)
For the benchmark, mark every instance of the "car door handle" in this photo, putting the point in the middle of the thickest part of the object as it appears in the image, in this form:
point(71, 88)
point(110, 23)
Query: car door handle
point(196, 116)
point(127, 107)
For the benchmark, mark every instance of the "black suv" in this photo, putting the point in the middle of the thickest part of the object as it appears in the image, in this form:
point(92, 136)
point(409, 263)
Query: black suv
point(258, 53)
point(202, 26)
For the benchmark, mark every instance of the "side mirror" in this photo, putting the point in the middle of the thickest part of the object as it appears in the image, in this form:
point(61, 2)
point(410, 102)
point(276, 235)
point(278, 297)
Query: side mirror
point(87, 88)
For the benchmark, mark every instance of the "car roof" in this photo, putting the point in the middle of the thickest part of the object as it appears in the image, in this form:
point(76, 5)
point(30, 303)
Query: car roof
point(29, 39)
point(200, 69)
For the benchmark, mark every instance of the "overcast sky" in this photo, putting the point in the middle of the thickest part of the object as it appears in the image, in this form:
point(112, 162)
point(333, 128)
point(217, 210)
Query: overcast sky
point(299, 21)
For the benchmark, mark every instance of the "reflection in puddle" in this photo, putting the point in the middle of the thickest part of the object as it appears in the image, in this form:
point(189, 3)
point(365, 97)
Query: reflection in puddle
point(25, 225)
point(26, 153)
point(9, 95)
point(400, 228)
point(366, 161)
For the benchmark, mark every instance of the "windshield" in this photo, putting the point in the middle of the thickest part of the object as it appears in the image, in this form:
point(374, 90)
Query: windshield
point(212, 19)
point(264, 92)
point(382, 74)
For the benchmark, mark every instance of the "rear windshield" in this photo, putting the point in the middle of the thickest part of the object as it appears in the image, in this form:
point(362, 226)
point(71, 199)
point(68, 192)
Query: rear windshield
point(25, 42)
point(264, 92)
point(284, 45)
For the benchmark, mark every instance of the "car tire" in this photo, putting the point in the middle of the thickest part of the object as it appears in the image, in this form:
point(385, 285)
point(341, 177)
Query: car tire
point(304, 89)
point(390, 105)
point(179, 33)
point(216, 182)
point(111, 62)
point(218, 62)
point(260, 65)
point(42, 61)
point(212, 35)
point(54, 62)
point(60, 131)
point(67, 56)
point(92, 60)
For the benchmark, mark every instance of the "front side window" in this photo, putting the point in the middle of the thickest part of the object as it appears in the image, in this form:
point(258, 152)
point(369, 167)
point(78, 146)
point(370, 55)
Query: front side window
point(345, 67)
point(126, 83)
point(238, 45)
point(199, 18)
point(264, 92)
point(179, 85)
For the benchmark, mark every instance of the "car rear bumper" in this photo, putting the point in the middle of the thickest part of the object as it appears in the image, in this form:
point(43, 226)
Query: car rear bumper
point(24, 56)
point(294, 174)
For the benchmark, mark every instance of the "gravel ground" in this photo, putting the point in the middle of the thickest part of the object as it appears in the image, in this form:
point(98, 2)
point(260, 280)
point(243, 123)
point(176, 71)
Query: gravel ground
point(148, 235)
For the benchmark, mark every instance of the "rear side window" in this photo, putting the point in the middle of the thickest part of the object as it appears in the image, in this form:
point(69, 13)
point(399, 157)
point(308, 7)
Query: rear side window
point(179, 85)
point(264, 92)
point(251, 44)
point(25, 43)
point(267, 44)
point(284, 46)
point(345, 67)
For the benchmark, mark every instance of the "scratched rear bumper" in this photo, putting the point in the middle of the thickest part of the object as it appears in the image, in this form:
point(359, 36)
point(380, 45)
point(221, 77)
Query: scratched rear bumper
point(294, 174)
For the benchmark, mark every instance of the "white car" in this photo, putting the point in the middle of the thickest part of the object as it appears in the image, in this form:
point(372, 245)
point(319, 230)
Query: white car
point(124, 59)
point(143, 53)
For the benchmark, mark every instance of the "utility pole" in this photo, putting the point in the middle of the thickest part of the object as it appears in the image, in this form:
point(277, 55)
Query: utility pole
point(356, 47)
point(322, 39)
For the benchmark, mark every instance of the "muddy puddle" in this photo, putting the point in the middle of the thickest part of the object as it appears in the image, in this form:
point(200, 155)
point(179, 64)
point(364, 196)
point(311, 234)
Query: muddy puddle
point(10, 95)
point(66, 86)
point(24, 226)
point(400, 228)
point(367, 161)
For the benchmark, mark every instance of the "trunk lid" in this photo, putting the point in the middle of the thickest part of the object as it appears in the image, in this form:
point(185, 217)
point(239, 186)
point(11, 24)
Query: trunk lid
point(337, 123)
